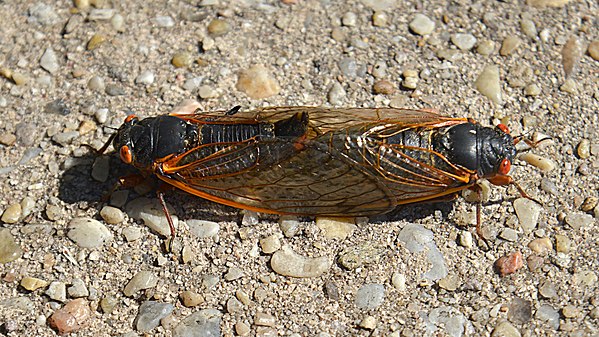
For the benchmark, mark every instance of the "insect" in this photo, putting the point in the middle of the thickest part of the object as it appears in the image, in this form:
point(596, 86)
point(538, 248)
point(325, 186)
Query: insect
point(317, 161)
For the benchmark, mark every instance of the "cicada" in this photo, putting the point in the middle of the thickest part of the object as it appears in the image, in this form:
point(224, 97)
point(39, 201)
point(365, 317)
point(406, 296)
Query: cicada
point(317, 161)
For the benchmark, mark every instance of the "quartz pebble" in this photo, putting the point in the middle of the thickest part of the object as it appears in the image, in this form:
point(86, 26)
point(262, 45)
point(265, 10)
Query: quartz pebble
point(72, 317)
point(380, 19)
point(88, 233)
point(593, 50)
point(529, 28)
point(509, 264)
point(142, 280)
point(418, 239)
point(289, 225)
point(463, 41)
point(96, 83)
point(132, 233)
point(547, 290)
point(450, 282)
point(146, 77)
point(270, 244)
point(257, 82)
point(150, 313)
point(203, 228)
point(112, 215)
point(579, 220)
point(541, 245)
point(370, 296)
point(205, 322)
point(509, 44)
point(422, 25)
point(505, 329)
point(288, 263)
point(150, 211)
point(336, 227)
point(263, 319)
point(182, 60)
point(164, 21)
point(191, 299)
point(49, 61)
point(78, 288)
point(33, 283)
point(108, 304)
point(12, 213)
point(584, 149)
point(368, 323)
point(353, 257)
point(465, 239)
point(57, 291)
point(336, 94)
point(563, 244)
point(571, 52)
point(488, 84)
point(546, 313)
point(218, 27)
point(528, 213)
point(542, 163)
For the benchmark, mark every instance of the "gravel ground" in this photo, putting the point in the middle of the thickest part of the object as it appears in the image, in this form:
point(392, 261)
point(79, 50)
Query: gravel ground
point(72, 71)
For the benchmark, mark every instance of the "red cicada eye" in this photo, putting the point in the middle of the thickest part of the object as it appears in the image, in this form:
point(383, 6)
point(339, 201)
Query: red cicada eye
point(505, 166)
point(503, 128)
point(126, 155)
point(130, 118)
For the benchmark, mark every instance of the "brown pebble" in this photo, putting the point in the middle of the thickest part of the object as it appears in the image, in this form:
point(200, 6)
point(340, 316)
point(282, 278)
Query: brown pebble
point(383, 87)
point(72, 317)
point(570, 56)
point(191, 299)
point(509, 264)
point(218, 27)
point(7, 139)
point(96, 41)
point(589, 203)
point(534, 262)
point(594, 50)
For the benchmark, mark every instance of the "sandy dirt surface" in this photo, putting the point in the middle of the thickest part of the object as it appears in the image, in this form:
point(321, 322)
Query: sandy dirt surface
point(72, 71)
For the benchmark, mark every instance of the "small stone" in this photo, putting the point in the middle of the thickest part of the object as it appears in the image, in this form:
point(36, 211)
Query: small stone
point(182, 60)
point(201, 323)
point(150, 313)
point(112, 215)
point(132, 233)
point(7, 139)
point(463, 41)
point(242, 329)
point(108, 304)
point(100, 14)
point(150, 211)
point(410, 83)
point(203, 228)
point(509, 44)
point(53, 212)
point(289, 225)
point(534, 262)
point(563, 244)
point(586, 278)
point(529, 28)
point(579, 220)
point(270, 244)
point(146, 77)
point(370, 296)
point(541, 245)
point(383, 87)
point(336, 227)
point(399, 281)
point(78, 288)
point(114, 90)
point(485, 47)
point(528, 213)
point(118, 22)
point(12, 213)
point(65, 138)
point(32, 283)
point(542, 163)
point(206, 91)
point(191, 299)
point(584, 149)
point(88, 233)
point(331, 290)
point(417, 239)
point(339, 34)
point(422, 25)
point(488, 84)
point(379, 69)
point(142, 280)
point(569, 86)
point(380, 19)
point(263, 319)
point(348, 67)
point(218, 27)
point(187, 254)
point(588, 205)
point(546, 313)
point(101, 168)
point(72, 317)
point(43, 14)
point(257, 82)
point(288, 263)
point(509, 264)
point(20, 78)
point(465, 239)
point(234, 273)
point(368, 323)
point(96, 41)
point(450, 282)
point(570, 311)
point(593, 50)
point(164, 21)
point(353, 257)
point(49, 61)
point(336, 94)
point(571, 53)
point(57, 291)
point(505, 329)
point(520, 311)
point(96, 83)
point(349, 19)
point(532, 90)
point(547, 290)
point(509, 234)
point(86, 127)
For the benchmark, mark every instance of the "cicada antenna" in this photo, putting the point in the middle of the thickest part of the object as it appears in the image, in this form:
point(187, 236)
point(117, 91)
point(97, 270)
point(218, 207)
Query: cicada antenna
point(531, 143)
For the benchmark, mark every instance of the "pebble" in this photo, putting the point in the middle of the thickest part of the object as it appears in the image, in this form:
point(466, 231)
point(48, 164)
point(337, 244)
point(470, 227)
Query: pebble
point(182, 60)
point(150, 211)
point(348, 67)
point(349, 19)
point(96, 83)
point(193, 83)
point(234, 273)
point(187, 254)
point(336, 94)
point(12, 213)
point(88, 233)
point(65, 138)
point(509, 234)
point(72, 317)
point(579, 220)
point(593, 50)
point(570, 311)
point(546, 313)
point(529, 28)
point(534, 262)
point(112, 215)
point(353, 257)
point(205, 322)
point(422, 25)
point(118, 22)
point(218, 27)
point(528, 213)
point(584, 149)
point(270, 244)
point(488, 84)
point(571, 53)
point(370, 296)
point(485, 47)
point(451, 321)
point(108, 304)
point(339, 34)
point(417, 239)
point(465, 239)
point(399, 281)
point(569, 86)
point(57, 291)
point(586, 278)
point(146, 77)
point(263, 319)
point(206, 91)
point(288, 263)
point(368, 323)
point(379, 69)
point(541, 245)
point(542, 163)
point(450, 282)
point(410, 83)
point(33, 283)
point(101, 168)
point(509, 44)
point(289, 225)
point(547, 290)
point(234, 306)
point(78, 288)
point(132, 233)
point(150, 313)
point(164, 21)
point(509, 264)
point(242, 329)
point(49, 61)
point(7, 139)
point(532, 90)
point(142, 280)
point(114, 90)
point(520, 311)
point(53, 212)
point(383, 87)
point(563, 244)
point(505, 329)
point(463, 41)
point(203, 228)
point(96, 41)
point(257, 82)
point(336, 227)
point(191, 299)
point(100, 14)
point(380, 19)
